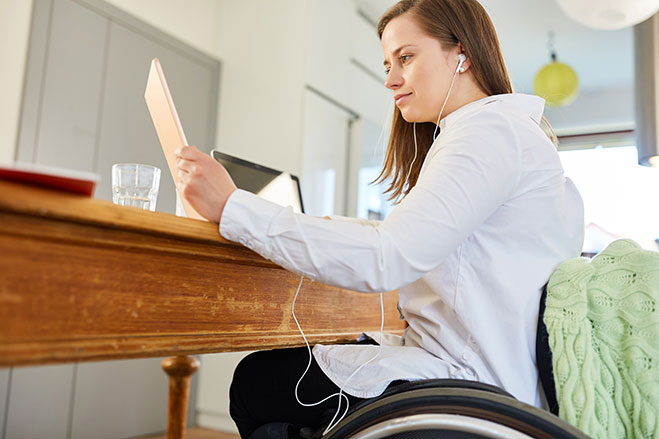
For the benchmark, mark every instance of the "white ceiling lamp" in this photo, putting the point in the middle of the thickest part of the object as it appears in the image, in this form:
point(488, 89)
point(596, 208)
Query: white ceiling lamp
point(609, 14)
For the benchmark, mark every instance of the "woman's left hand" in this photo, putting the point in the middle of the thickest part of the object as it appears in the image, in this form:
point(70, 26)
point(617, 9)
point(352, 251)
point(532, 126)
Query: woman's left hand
point(203, 182)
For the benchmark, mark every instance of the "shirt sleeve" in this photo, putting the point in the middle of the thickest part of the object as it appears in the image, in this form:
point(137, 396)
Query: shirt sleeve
point(468, 173)
point(365, 222)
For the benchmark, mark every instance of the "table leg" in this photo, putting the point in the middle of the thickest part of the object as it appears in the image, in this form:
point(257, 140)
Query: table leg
point(179, 369)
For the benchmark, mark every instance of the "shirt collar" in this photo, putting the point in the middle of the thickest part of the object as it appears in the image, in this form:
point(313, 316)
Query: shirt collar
point(531, 105)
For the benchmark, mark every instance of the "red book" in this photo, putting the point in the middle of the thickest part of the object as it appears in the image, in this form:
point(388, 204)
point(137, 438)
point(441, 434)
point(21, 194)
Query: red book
point(68, 180)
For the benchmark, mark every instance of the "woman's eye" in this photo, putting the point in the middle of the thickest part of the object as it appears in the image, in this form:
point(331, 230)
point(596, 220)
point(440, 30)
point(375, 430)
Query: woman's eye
point(405, 58)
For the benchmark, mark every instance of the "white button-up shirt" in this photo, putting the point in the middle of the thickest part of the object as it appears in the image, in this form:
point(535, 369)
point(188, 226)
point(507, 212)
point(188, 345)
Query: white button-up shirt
point(469, 249)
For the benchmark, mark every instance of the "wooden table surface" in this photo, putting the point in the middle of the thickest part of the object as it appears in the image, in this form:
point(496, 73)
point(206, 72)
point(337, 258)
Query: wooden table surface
point(82, 279)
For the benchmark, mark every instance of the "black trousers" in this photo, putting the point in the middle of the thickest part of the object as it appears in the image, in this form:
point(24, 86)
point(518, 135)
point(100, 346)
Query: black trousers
point(263, 391)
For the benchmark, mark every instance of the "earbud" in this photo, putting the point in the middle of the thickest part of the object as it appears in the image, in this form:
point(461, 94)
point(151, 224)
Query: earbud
point(462, 57)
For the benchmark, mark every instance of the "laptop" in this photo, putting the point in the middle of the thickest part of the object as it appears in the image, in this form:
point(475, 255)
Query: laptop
point(279, 187)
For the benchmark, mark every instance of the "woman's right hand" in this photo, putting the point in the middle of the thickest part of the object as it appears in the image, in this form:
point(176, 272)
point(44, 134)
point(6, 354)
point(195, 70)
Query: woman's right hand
point(203, 182)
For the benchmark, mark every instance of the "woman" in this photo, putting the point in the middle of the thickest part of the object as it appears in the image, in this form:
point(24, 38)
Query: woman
point(486, 215)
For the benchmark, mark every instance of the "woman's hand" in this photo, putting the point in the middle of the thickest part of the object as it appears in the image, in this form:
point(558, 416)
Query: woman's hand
point(203, 182)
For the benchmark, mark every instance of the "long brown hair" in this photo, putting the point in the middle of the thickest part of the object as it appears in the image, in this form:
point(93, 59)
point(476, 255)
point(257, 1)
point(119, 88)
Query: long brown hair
point(450, 21)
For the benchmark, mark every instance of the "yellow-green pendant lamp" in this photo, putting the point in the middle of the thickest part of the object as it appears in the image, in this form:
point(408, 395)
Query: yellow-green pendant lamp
point(556, 82)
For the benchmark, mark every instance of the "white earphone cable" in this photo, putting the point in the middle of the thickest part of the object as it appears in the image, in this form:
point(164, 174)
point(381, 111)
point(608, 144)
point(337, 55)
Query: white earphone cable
point(434, 134)
point(340, 393)
point(407, 177)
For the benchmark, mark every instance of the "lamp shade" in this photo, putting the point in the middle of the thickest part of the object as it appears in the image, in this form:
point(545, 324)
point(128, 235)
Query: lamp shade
point(609, 14)
point(557, 83)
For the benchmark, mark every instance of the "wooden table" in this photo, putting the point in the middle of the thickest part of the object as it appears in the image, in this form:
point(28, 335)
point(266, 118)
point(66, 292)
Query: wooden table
point(82, 279)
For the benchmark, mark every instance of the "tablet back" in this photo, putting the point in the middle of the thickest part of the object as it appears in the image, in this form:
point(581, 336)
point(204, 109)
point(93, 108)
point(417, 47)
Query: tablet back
point(168, 126)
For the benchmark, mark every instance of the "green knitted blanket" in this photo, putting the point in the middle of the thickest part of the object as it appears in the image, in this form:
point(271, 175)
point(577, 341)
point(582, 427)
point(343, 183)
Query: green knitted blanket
point(602, 316)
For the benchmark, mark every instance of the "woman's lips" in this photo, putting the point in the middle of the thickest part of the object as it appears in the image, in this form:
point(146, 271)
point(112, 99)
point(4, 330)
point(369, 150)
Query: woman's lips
point(400, 98)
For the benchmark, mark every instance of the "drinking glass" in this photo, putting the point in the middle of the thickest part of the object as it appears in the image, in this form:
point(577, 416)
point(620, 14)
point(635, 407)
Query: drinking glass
point(136, 185)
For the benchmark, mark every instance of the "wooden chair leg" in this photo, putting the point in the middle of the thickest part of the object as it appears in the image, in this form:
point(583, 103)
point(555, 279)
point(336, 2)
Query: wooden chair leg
point(179, 369)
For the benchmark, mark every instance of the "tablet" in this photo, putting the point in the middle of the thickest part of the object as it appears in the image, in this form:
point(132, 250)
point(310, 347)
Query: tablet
point(168, 126)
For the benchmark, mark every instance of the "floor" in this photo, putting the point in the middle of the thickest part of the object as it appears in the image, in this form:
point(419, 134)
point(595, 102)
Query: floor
point(199, 433)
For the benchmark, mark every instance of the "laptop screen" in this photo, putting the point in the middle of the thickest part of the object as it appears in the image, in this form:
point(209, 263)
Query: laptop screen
point(279, 187)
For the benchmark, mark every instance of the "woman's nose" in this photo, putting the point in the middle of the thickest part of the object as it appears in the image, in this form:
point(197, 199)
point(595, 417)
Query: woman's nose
point(394, 80)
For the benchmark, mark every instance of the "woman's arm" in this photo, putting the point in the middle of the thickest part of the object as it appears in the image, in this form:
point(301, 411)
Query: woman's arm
point(469, 173)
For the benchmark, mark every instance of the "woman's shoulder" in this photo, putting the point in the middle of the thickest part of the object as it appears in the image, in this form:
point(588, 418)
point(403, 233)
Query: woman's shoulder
point(508, 123)
point(515, 108)
point(492, 120)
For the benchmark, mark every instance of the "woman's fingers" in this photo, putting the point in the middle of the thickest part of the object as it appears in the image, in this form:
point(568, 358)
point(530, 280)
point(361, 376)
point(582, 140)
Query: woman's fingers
point(185, 158)
point(188, 152)
point(183, 165)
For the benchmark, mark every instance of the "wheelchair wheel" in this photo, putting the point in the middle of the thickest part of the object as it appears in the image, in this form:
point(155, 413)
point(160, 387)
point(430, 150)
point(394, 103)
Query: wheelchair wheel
point(452, 413)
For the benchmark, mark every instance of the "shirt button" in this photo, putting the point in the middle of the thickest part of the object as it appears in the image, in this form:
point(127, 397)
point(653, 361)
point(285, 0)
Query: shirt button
point(466, 356)
point(472, 342)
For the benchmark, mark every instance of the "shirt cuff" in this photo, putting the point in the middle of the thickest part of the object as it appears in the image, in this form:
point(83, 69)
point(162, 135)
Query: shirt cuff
point(246, 219)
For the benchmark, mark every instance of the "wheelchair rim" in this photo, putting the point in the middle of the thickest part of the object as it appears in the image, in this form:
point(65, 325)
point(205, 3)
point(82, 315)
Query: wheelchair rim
point(457, 423)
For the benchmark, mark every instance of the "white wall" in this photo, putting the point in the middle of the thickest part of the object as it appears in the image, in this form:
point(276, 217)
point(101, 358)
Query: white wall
point(215, 376)
point(263, 49)
point(14, 36)
point(344, 64)
point(338, 37)
point(193, 22)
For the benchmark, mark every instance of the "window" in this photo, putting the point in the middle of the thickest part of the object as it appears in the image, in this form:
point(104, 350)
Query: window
point(621, 198)
point(372, 202)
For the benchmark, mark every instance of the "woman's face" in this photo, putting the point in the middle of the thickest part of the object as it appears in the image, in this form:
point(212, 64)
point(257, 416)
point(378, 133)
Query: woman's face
point(419, 70)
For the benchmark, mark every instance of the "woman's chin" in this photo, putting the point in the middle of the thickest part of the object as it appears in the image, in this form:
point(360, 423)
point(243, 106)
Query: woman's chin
point(410, 116)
